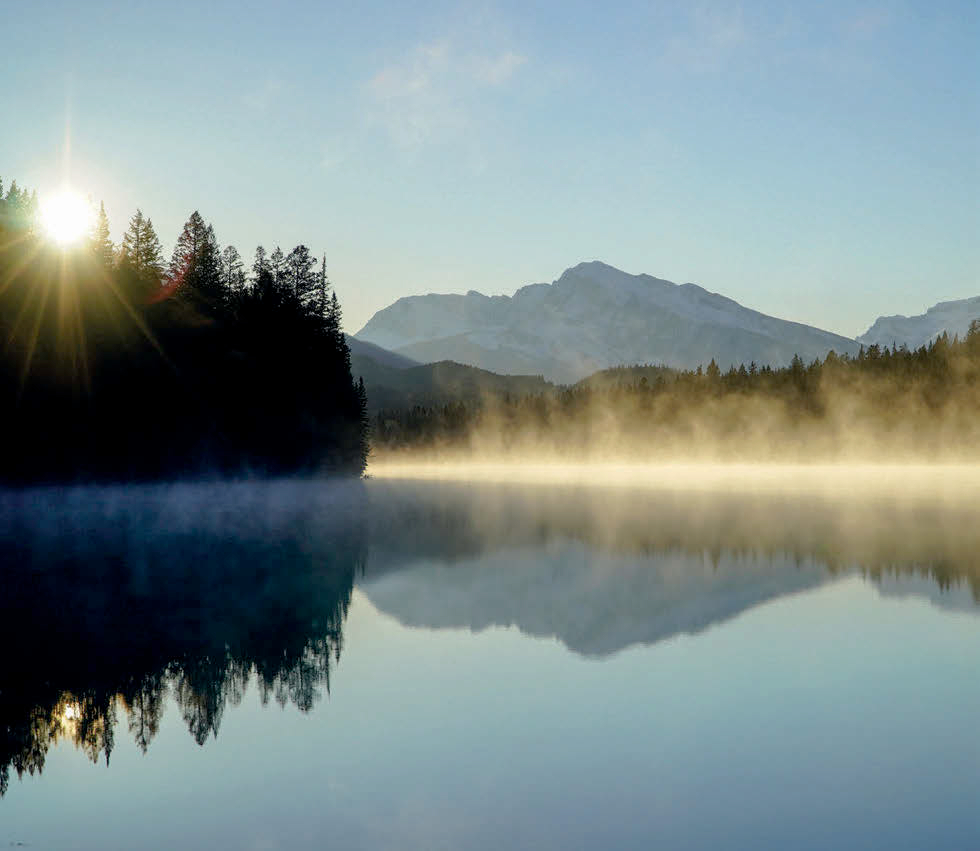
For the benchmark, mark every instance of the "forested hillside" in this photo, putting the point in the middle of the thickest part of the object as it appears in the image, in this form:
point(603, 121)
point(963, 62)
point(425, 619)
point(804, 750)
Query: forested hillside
point(892, 404)
point(118, 366)
point(434, 384)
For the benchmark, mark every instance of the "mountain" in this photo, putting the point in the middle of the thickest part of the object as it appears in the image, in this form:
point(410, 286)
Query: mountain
point(593, 317)
point(394, 381)
point(953, 317)
point(361, 350)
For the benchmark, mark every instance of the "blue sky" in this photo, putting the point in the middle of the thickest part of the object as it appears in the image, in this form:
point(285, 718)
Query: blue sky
point(818, 163)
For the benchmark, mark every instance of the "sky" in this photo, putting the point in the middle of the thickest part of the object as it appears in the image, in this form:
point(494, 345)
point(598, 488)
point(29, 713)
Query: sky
point(818, 162)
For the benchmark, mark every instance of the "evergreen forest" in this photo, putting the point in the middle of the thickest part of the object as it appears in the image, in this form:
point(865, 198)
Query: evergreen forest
point(120, 366)
point(882, 404)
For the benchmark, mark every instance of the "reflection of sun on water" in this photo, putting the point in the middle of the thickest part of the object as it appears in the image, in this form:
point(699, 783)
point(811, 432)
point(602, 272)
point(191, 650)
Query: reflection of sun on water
point(66, 216)
point(70, 712)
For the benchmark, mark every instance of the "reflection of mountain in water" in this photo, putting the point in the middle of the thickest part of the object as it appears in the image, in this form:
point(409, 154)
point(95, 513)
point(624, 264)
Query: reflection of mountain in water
point(602, 569)
point(594, 603)
point(115, 598)
point(115, 601)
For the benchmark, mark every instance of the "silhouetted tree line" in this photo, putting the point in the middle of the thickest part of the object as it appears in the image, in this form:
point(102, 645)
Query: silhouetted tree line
point(117, 366)
point(923, 402)
point(119, 601)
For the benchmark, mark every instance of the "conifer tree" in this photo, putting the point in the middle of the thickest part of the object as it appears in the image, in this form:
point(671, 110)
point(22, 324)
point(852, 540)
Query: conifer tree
point(277, 265)
point(364, 421)
point(300, 277)
point(140, 249)
point(195, 267)
point(261, 262)
point(208, 277)
point(20, 208)
point(232, 270)
point(335, 332)
point(262, 280)
point(285, 401)
point(187, 250)
point(101, 244)
point(321, 296)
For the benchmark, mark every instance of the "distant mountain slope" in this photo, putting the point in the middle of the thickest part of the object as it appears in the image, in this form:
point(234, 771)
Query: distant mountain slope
point(592, 317)
point(360, 349)
point(437, 383)
point(953, 317)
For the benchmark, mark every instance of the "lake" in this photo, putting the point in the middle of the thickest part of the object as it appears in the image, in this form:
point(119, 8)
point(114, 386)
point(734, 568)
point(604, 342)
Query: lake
point(433, 662)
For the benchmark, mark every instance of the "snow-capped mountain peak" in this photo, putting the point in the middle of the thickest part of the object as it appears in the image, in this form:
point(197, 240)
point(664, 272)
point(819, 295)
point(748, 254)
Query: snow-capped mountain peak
point(951, 317)
point(593, 316)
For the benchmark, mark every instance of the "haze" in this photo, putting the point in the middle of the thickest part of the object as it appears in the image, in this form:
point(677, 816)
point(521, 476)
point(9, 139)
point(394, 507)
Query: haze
point(817, 163)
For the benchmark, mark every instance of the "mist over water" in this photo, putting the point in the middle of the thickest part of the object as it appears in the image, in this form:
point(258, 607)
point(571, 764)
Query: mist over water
point(884, 406)
point(948, 483)
point(690, 633)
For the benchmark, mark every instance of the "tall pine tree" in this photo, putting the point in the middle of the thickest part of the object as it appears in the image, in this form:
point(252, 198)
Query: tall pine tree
point(187, 250)
point(321, 296)
point(277, 266)
point(232, 270)
point(195, 266)
point(101, 243)
point(301, 277)
point(140, 255)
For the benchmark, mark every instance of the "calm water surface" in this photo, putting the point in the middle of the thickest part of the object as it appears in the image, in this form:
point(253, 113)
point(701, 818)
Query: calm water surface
point(405, 664)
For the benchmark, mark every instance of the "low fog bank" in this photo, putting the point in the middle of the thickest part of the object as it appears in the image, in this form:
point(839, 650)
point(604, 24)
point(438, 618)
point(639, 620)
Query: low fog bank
point(958, 483)
point(884, 406)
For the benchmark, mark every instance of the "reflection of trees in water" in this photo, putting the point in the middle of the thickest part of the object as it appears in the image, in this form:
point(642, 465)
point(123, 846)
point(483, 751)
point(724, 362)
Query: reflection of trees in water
point(116, 599)
point(605, 568)
point(899, 535)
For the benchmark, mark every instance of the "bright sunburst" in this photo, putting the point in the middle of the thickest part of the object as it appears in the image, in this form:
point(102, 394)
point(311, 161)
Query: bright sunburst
point(66, 216)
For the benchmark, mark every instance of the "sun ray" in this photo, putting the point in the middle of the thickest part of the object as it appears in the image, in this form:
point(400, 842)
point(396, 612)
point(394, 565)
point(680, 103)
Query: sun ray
point(71, 329)
point(35, 333)
point(14, 272)
point(137, 319)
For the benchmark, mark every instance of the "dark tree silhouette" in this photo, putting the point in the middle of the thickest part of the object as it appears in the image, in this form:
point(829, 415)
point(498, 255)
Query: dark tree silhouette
point(119, 372)
point(124, 607)
point(232, 270)
point(140, 259)
point(300, 276)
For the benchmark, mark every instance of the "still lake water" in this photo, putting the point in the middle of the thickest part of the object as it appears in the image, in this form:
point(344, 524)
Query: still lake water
point(409, 664)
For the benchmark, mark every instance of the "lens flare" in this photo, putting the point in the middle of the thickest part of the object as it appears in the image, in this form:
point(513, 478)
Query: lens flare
point(66, 216)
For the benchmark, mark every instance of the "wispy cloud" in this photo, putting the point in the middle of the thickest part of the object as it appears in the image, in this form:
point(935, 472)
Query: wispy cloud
point(263, 96)
point(434, 92)
point(868, 21)
point(715, 34)
point(497, 70)
point(334, 154)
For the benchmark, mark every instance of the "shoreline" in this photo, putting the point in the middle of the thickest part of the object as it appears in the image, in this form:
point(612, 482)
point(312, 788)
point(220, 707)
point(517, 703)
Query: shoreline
point(882, 478)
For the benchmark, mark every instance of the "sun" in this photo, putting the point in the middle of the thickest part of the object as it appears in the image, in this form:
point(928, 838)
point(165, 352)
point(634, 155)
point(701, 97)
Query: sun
point(66, 216)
